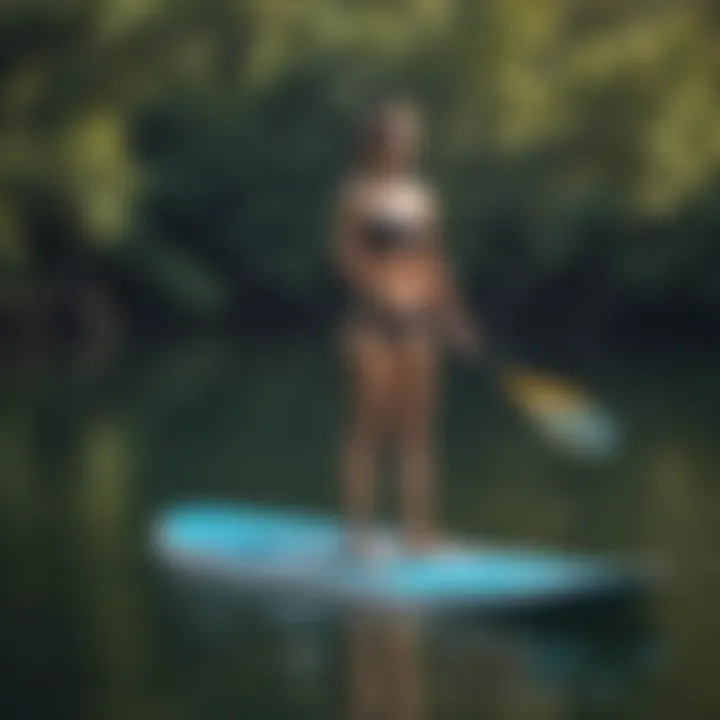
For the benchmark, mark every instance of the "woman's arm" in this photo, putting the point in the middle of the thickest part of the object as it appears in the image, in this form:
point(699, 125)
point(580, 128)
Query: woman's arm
point(462, 330)
point(348, 255)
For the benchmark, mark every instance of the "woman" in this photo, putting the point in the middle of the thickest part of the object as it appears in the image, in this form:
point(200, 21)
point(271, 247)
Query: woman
point(403, 302)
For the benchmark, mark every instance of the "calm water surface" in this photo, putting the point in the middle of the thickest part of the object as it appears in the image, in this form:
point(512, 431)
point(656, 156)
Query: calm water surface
point(91, 448)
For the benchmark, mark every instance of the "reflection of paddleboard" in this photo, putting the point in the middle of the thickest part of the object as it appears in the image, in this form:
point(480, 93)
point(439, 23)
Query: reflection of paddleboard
point(258, 548)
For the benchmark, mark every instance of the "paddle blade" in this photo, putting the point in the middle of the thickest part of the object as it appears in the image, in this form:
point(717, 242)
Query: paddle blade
point(563, 412)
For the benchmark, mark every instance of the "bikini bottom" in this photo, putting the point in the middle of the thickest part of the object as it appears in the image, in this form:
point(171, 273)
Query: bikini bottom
point(393, 325)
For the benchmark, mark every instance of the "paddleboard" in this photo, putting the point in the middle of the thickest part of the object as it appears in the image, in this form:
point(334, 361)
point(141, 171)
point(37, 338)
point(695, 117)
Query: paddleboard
point(306, 554)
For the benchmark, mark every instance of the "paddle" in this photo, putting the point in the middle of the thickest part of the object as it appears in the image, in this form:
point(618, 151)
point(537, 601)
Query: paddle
point(560, 410)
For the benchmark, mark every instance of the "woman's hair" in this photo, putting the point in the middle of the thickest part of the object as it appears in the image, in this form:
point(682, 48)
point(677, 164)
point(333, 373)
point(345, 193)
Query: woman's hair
point(375, 123)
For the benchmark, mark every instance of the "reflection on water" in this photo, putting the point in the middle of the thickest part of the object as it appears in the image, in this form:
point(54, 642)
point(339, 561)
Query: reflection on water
point(90, 452)
point(363, 666)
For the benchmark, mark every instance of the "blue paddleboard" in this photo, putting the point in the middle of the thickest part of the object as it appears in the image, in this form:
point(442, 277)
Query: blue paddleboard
point(295, 552)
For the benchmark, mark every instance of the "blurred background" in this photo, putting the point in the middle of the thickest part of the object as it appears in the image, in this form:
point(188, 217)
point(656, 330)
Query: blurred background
point(167, 171)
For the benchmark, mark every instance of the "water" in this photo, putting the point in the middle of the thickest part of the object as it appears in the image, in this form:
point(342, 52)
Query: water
point(91, 448)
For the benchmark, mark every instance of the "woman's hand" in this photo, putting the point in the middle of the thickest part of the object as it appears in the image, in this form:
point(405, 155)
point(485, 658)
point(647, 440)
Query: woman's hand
point(464, 338)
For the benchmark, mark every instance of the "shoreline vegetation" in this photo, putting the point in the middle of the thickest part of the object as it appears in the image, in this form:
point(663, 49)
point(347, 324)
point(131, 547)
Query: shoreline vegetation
point(175, 167)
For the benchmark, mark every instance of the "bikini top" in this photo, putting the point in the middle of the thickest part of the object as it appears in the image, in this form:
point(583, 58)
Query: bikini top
point(386, 234)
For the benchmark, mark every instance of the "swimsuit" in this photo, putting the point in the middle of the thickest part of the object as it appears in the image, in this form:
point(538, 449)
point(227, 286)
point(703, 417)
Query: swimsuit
point(385, 236)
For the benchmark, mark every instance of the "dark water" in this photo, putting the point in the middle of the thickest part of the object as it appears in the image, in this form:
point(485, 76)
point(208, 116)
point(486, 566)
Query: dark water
point(91, 448)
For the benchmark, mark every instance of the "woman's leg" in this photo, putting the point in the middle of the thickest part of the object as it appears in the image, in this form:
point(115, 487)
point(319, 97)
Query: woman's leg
point(416, 382)
point(370, 363)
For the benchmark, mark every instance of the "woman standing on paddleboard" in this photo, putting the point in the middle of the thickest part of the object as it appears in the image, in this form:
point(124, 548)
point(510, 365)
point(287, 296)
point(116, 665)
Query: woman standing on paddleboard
point(403, 303)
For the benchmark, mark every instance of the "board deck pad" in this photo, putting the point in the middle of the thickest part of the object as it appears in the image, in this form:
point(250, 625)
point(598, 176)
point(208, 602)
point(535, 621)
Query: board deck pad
point(258, 547)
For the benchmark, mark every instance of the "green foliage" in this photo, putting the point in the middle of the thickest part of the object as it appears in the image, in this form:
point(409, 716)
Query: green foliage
point(196, 144)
